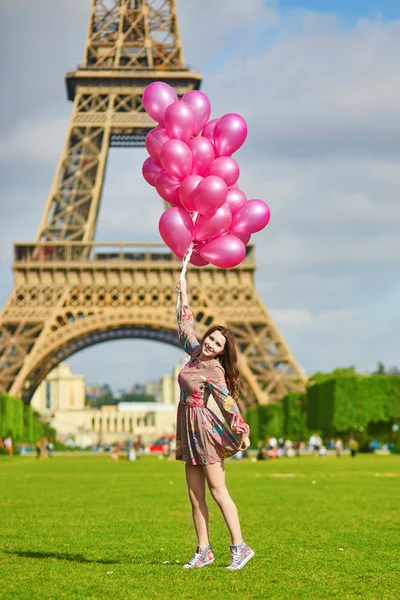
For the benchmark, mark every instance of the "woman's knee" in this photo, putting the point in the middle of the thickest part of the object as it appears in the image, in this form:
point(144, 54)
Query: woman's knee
point(219, 493)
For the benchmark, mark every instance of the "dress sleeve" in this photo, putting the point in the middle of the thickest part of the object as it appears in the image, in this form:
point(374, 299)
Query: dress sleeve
point(188, 340)
point(217, 386)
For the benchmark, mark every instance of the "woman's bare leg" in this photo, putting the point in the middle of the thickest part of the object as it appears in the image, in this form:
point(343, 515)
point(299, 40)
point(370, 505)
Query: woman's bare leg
point(215, 475)
point(196, 482)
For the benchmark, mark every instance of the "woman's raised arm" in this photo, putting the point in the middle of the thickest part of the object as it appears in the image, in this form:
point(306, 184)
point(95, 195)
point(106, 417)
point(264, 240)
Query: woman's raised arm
point(184, 317)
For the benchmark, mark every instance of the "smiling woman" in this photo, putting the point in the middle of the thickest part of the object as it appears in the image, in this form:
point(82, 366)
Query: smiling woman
point(203, 442)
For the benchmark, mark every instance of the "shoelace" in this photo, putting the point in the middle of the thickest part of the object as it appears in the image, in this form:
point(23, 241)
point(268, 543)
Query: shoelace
point(195, 559)
point(236, 556)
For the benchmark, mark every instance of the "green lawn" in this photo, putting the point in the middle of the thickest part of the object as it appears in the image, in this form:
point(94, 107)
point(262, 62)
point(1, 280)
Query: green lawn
point(85, 527)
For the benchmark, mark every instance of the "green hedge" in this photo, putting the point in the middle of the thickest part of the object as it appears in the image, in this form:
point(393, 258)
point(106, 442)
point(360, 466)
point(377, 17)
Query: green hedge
point(254, 423)
point(295, 416)
point(11, 417)
point(335, 403)
point(18, 420)
point(271, 420)
point(33, 427)
point(353, 402)
point(287, 419)
point(320, 403)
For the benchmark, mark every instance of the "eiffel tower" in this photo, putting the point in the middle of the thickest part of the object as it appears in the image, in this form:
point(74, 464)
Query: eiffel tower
point(71, 292)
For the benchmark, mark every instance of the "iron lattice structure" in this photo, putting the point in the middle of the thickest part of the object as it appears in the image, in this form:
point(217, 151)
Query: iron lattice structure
point(71, 292)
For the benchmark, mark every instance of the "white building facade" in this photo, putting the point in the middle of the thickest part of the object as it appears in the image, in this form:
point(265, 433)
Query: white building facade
point(61, 390)
point(60, 398)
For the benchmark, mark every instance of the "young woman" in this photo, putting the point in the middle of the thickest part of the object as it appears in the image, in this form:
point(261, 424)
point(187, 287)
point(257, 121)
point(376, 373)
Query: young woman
point(202, 440)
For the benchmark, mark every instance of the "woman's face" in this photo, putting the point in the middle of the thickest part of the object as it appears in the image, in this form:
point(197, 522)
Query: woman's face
point(213, 344)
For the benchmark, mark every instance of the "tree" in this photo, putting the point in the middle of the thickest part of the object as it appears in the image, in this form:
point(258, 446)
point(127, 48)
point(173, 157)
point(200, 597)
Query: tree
point(393, 371)
point(136, 398)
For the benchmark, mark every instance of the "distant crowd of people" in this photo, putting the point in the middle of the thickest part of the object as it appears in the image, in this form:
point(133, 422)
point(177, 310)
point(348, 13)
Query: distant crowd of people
point(273, 448)
point(135, 449)
point(43, 447)
point(7, 444)
point(278, 447)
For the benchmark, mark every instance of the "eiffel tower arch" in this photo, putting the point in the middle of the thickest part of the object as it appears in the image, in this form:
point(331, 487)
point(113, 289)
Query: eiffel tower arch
point(71, 292)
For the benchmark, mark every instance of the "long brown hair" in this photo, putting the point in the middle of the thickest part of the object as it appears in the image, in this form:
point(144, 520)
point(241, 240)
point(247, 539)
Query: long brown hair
point(229, 360)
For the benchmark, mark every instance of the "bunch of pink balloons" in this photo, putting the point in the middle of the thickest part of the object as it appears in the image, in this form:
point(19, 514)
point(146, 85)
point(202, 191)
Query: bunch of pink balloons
point(192, 168)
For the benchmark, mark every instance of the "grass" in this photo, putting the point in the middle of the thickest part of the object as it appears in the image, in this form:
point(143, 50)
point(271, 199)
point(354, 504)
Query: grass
point(85, 527)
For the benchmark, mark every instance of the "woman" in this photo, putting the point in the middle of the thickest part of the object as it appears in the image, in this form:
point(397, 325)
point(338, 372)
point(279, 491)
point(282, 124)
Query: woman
point(202, 440)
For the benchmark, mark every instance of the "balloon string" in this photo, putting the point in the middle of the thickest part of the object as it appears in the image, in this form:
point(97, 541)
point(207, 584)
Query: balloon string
point(186, 261)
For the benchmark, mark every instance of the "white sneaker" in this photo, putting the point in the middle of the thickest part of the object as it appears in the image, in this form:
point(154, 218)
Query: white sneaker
point(202, 558)
point(241, 555)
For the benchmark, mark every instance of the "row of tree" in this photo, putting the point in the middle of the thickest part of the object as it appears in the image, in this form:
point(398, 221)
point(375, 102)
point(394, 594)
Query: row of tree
point(21, 421)
point(342, 403)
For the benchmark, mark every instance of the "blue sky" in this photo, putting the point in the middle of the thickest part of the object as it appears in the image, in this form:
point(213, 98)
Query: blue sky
point(319, 85)
point(349, 9)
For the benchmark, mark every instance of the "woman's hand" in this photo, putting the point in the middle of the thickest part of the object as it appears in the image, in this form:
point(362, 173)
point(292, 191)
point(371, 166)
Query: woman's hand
point(245, 442)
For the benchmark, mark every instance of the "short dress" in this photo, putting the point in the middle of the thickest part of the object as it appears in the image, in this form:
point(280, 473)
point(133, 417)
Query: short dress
point(201, 437)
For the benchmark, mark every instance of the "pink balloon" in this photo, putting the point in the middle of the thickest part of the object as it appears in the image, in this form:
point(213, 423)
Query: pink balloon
point(154, 140)
point(196, 259)
point(235, 199)
point(201, 106)
point(176, 158)
point(203, 154)
point(151, 171)
point(168, 188)
point(176, 229)
point(209, 130)
point(251, 217)
point(226, 168)
point(156, 99)
point(230, 133)
point(225, 252)
point(180, 121)
point(186, 192)
point(245, 237)
point(210, 194)
point(213, 225)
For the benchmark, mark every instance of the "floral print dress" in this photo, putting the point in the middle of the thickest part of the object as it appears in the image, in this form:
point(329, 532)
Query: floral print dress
point(201, 437)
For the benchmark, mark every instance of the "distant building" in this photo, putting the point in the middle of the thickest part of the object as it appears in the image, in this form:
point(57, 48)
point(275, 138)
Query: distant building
point(61, 390)
point(61, 399)
point(138, 389)
point(170, 392)
point(110, 424)
point(153, 388)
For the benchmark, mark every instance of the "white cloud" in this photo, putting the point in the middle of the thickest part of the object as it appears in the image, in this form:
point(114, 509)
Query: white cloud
point(319, 92)
point(207, 25)
point(306, 321)
point(323, 340)
point(36, 140)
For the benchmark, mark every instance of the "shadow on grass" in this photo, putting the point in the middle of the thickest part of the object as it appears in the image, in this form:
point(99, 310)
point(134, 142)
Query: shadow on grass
point(79, 558)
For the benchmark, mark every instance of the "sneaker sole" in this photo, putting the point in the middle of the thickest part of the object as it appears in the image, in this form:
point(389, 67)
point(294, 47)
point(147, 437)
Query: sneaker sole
point(210, 562)
point(246, 560)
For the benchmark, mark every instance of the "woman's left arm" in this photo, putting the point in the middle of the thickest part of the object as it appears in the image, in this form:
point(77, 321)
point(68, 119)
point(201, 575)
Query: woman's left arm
point(217, 386)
